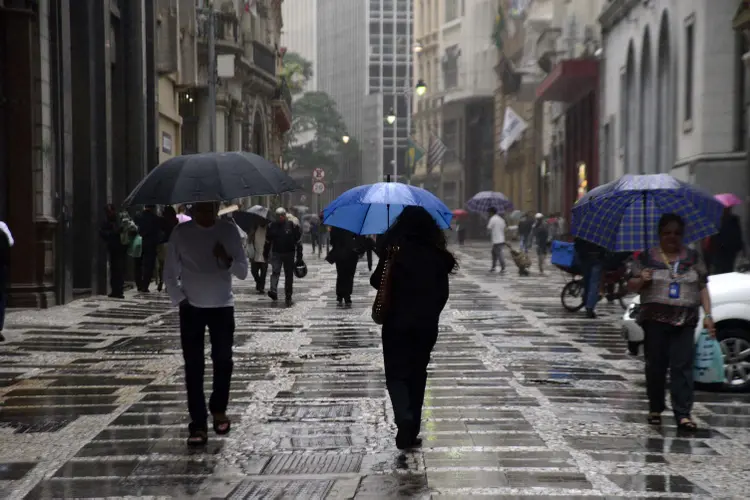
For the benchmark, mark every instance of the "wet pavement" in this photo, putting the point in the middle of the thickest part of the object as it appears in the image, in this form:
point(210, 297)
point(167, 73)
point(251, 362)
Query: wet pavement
point(523, 400)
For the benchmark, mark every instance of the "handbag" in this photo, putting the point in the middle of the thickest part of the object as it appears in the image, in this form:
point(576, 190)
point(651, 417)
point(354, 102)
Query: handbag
point(135, 249)
point(708, 367)
point(382, 299)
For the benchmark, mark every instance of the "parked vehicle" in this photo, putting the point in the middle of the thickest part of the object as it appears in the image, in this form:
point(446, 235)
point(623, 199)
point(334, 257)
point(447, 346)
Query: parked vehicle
point(730, 297)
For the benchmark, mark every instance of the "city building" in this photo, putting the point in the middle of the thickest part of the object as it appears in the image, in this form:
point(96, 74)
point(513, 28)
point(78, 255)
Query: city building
point(455, 60)
point(77, 130)
point(675, 92)
point(253, 108)
point(568, 50)
point(300, 33)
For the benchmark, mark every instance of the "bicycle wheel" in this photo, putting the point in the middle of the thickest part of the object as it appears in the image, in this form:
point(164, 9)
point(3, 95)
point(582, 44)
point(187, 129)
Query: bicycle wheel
point(572, 296)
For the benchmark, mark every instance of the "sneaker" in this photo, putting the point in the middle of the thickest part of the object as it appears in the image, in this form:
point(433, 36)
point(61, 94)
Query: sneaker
point(274, 296)
point(590, 314)
point(288, 302)
point(2, 337)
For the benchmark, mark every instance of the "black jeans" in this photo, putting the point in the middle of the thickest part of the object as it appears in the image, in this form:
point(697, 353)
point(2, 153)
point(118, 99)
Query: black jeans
point(345, 270)
point(670, 348)
point(149, 265)
point(3, 301)
point(117, 256)
point(406, 353)
point(220, 323)
point(259, 271)
point(285, 261)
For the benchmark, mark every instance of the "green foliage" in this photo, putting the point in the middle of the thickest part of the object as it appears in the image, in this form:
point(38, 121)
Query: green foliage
point(316, 111)
point(297, 71)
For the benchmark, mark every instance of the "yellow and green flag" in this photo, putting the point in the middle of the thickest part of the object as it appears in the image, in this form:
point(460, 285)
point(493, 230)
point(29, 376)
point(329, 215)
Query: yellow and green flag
point(414, 153)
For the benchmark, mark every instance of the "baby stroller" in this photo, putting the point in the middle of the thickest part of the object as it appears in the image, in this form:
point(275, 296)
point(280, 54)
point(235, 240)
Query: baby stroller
point(522, 261)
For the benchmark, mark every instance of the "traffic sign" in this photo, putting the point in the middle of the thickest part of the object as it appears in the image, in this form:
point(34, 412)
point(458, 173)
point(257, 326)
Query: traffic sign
point(319, 187)
point(319, 174)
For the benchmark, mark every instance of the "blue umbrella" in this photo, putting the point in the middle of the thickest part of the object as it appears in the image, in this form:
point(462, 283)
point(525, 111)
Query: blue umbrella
point(482, 202)
point(371, 209)
point(623, 216)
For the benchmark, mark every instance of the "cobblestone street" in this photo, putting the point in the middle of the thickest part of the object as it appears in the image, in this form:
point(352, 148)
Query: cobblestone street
point(524, 399)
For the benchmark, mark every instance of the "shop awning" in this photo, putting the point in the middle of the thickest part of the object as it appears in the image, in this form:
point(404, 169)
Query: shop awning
point(569, 80)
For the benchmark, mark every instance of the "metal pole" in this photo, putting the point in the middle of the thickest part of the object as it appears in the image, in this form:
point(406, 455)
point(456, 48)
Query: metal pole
point(408, 85)
point(395, 92)
point(211, 78)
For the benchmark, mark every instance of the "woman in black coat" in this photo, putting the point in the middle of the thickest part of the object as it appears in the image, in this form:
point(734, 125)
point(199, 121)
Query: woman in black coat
point(418, 293)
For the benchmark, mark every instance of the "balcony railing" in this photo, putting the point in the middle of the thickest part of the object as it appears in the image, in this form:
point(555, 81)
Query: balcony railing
point(227, 29)
point(264, 58)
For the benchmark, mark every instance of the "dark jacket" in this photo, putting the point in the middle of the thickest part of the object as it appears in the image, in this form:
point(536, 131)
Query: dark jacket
point(150, 228)
point(588, 252)
point(346, 245)
point(167, 225)
point(728, 241)
point(283, 237)
point(419, 286)
point(109, 232)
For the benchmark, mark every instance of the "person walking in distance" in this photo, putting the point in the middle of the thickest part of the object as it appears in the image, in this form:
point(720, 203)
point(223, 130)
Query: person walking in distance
point(284, 248)
point(540, 237)
point(150, 228)
point(496, 227)
point(202, 257)
point(258, 264)
point(346, 248)
point(116, 237)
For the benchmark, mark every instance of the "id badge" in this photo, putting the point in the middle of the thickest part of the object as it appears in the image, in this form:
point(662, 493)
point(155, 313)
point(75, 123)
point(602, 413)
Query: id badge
point(674, 290)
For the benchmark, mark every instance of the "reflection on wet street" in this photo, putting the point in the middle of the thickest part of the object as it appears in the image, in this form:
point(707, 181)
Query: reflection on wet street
point(523, 400)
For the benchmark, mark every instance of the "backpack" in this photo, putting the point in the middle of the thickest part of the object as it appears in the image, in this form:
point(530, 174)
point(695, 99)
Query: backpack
point(127, 228)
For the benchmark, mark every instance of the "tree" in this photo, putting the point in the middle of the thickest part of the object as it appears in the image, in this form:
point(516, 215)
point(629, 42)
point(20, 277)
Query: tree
point(297, 71)
point(316, 112)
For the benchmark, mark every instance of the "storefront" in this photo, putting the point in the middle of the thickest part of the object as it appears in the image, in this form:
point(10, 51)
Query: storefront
point(574, 82)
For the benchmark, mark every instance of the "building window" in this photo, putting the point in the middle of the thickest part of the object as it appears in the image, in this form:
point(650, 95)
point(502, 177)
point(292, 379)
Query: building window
point(451, 10)
point(450, 67)
point(689, 71)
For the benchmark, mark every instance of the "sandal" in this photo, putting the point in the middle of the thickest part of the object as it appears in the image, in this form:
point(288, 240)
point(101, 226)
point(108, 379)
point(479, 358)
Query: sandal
point(654, 419)
point(197, 437)
point(686, 424)
point(222, 425)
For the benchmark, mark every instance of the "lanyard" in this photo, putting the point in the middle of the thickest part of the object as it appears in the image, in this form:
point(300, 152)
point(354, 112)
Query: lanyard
point(672, 271)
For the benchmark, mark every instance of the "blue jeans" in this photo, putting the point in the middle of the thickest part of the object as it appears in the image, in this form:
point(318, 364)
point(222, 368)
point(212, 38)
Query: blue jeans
point(592, 278)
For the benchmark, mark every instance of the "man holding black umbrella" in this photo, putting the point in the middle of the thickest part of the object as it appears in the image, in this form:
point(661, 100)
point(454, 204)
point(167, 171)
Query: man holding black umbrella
point(202, 257)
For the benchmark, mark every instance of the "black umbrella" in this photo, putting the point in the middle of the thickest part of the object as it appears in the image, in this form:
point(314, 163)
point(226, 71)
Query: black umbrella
point(250, 218)
point(210, 177)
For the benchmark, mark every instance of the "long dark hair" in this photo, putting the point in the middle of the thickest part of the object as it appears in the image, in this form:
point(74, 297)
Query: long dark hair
point(415, 225)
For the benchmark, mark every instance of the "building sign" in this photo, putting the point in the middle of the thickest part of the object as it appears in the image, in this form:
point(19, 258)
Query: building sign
point(583, 183)
point(166, 143)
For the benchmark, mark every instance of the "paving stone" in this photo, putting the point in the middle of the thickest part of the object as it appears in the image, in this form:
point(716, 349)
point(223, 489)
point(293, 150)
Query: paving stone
point(260, 489)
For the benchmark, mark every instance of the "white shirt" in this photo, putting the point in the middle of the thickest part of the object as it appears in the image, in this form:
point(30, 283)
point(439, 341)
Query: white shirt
point(192, 272)
point(496, 226)
point(4, 228)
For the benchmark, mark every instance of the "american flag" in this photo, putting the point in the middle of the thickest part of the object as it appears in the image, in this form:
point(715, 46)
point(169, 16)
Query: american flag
point(435, 152)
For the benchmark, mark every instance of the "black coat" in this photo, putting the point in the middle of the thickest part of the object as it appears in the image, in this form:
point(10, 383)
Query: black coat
point(150, 228)
point(4, 260)
point(419, 287)
point(283, 237)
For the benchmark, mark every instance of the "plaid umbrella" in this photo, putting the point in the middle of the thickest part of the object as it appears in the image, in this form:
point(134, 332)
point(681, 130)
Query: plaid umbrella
point(623, 216)
point(482, 202)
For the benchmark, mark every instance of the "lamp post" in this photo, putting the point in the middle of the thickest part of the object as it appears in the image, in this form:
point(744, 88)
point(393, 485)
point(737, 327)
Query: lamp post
point(345, 139)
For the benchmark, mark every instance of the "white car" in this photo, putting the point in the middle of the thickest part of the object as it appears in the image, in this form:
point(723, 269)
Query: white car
point(730, 299)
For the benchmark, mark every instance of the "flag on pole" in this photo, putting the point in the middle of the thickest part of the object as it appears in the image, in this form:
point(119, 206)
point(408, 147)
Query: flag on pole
point(414, 153)
point(435, 152)
point(513, 127)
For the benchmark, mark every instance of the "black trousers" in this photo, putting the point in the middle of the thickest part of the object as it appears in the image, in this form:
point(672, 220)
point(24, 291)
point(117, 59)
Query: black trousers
point(283, 261)
point(406, 353)
point(220, 323)
point(259, 271)
point(345, 271)
point(117, 257)
point(670, 348)
point(723, 262)
point(149, 265)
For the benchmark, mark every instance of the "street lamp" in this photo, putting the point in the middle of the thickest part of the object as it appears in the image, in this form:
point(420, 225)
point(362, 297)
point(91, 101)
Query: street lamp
point(418, 48)
point(345, 138)
point(421, 88)
point(391, 118)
